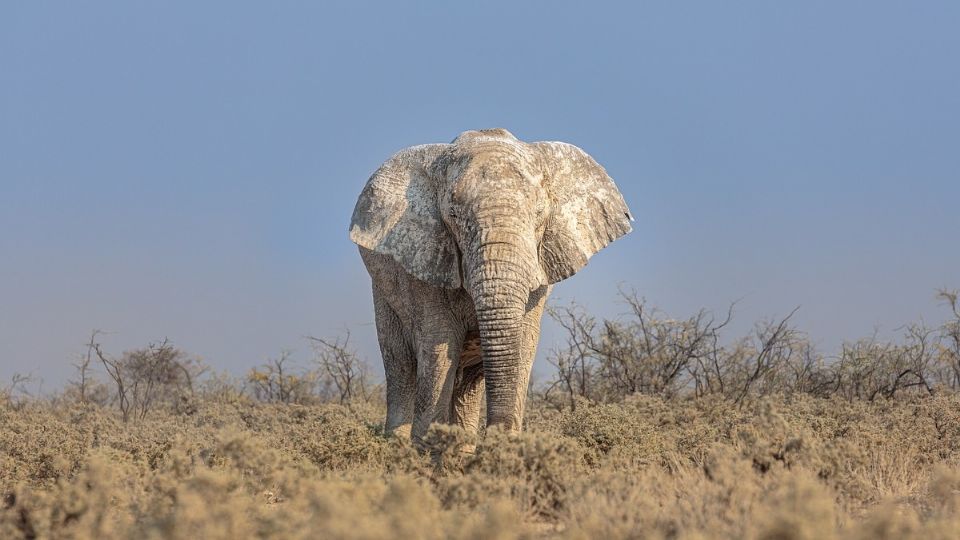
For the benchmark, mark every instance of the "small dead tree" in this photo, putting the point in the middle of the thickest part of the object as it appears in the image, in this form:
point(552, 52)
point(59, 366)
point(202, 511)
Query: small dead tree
point(950, 336)
point(114, 369)
point(860, 367)
point(573, 362)
point(918, 359)
point(83, 369)
point(343, 375)
point(147, 377)
point(640, 352)
point(15, 391)
point(662, 353)
point(159, 373)
point(807, 372)
point(565, 378)
point(871, 369)
point(276, 381)
point(773, 345)
point(708, 370)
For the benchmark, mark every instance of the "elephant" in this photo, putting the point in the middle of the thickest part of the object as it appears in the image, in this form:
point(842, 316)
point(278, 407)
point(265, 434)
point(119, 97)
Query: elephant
point(463, 242)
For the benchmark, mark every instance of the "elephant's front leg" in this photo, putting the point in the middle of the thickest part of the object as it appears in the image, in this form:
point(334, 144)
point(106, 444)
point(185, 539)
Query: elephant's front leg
point(399, 367)
point(438, 354)
point(528, 348)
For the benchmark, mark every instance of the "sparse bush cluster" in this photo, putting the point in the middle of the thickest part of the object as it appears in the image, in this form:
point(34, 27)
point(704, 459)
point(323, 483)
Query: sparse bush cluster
point(143, 379)
point(161, 376)
point(339, 375)
point(649, 353)
point(652, 428)
point(15, 393)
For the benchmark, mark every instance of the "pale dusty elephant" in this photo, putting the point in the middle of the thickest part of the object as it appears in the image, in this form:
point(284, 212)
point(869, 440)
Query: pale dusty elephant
point(462, 242)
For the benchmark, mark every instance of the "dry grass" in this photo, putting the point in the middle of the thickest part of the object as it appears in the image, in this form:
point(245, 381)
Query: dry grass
point(652, 427)
point(778, 467)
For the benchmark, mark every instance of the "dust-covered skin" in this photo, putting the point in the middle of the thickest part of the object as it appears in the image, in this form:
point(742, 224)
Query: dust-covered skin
point(462, 242)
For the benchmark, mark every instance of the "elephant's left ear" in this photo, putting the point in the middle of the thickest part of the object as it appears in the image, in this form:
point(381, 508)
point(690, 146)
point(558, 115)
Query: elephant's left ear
point(588, 210)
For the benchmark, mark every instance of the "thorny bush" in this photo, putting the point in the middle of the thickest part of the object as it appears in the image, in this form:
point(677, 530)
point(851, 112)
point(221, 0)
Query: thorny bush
point(646, 352)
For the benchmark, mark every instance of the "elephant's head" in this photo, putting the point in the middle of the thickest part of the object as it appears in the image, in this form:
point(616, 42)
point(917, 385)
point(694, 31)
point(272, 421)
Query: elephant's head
point(498, 217)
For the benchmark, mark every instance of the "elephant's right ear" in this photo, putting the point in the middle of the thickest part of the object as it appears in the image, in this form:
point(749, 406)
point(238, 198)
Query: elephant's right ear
point(398, 215)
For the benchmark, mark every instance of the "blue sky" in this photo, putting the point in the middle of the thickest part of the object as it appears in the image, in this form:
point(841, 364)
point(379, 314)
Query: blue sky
point(188, 169)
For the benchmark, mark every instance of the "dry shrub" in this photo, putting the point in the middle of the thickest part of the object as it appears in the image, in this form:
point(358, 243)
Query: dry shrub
point(654, 429)
point(612, 432)
point(225, 472)
point(645, 351)
point(532, 470)
point(649, 467)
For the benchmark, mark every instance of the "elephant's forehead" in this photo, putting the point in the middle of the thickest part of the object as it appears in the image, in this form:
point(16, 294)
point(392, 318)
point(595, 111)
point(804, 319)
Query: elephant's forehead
point(492, 155)
point(494, 176)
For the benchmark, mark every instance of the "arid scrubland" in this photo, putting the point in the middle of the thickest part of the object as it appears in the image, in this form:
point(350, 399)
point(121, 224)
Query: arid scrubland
point(650, 428)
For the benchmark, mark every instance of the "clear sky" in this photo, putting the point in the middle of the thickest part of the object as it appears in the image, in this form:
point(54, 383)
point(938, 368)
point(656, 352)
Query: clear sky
point(188, 169)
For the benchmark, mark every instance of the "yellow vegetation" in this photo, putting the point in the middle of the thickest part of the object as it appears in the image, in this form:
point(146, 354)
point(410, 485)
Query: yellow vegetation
point(776, 468)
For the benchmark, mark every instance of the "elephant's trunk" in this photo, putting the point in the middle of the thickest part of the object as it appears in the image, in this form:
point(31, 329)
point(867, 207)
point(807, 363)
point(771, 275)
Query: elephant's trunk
point(501, 289)
point(501, 334)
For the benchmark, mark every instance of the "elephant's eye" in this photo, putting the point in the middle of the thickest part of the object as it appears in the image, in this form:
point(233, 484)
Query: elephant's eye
point(541, 207)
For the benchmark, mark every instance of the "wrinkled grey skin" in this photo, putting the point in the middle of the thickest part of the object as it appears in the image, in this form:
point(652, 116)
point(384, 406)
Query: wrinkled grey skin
point(463, 242)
